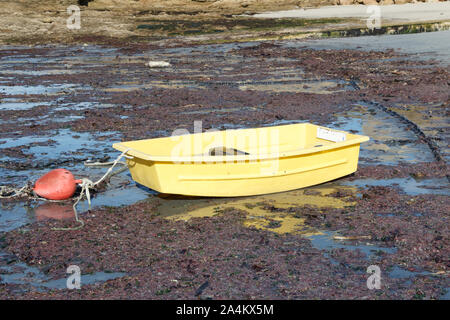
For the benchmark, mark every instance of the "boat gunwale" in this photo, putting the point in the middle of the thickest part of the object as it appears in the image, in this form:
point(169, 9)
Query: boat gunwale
point(204, 158)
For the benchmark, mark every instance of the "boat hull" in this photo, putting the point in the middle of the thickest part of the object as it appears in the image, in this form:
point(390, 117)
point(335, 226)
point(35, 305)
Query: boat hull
point(245, 178)
point(266, 160)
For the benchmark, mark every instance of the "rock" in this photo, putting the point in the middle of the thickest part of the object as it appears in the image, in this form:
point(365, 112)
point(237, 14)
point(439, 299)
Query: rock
point(158, 64)
point(345, 2)
point(401, 1)
point(387, 2)
point(84, 2)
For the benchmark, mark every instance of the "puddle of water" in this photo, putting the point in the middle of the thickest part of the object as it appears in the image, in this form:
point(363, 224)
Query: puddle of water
point(431, 119)
point(86, 279)
point(44, 119)
point(408, 185)
point(20, 105)
point(272, 75)
point(36, 90)
point(390, 142)
point(43, 72)
point(82, 106)
point(325, 241)
point(62, 142)
point(20, 273)
point(13, 216)
point(283, 122)
point(400, 273)
point(173, 84)
point(222, 110)
point(316, 87)
point(269, 84)
point(117, 197)
point(424, 115)
point(429, 45)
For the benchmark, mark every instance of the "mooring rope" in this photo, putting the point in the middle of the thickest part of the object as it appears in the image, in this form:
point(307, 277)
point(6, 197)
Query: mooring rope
point(86, 184)
point(10, 192)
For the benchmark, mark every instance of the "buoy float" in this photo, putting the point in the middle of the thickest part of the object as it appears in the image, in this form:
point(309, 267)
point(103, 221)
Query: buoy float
point(58, 184)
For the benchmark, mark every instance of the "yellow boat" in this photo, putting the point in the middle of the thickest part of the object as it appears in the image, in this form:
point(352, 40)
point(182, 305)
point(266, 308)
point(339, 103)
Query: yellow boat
point(243, 162)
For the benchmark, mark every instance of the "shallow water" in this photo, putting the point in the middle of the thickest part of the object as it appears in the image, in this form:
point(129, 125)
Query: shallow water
point(407, 185)
point(22, 274)
point(391, 142)
point(35, 90)
point(61, 143)
point(326, 242)
point(429, 45)
point(19, 105)
point(400, 273)
point(432, 120)
point(316, 87)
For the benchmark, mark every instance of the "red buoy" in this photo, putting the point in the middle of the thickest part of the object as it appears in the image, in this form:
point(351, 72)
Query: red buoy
point(58, 184)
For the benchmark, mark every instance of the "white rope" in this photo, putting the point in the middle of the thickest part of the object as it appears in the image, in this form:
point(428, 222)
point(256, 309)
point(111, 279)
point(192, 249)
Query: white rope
point(114, 163)
point(102, 164)
point(10, 192)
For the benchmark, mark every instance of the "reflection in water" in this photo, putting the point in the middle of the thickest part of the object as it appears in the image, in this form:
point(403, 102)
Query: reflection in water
point(278, 212)
point(432, 119)
point(52, 210)
point(391, 142)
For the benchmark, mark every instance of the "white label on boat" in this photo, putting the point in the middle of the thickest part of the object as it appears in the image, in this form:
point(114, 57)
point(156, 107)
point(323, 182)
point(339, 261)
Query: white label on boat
point(330, 135)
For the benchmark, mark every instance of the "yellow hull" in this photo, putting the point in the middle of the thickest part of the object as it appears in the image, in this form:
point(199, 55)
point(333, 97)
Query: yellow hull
point(254, 161)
